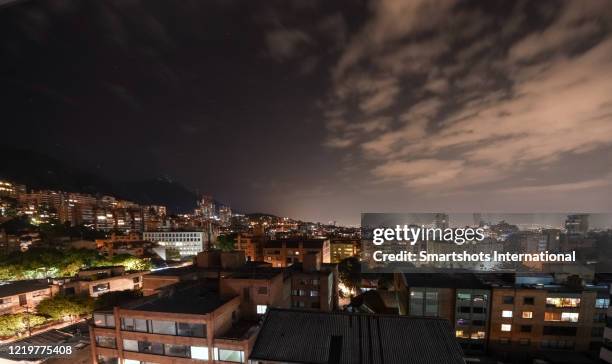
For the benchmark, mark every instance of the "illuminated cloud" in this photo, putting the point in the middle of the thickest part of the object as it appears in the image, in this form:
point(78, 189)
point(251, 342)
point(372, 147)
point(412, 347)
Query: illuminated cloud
point(477, 105)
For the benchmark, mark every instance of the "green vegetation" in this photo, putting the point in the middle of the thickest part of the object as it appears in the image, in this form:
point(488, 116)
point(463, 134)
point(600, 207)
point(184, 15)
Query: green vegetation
point(60, 307)
point(14, 324)
point(226, 242)
point(39, 263)
point(349, 271)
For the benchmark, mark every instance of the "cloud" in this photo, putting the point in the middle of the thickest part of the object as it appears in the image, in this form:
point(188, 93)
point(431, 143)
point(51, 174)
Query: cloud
point(283, 44)
point(477, 105)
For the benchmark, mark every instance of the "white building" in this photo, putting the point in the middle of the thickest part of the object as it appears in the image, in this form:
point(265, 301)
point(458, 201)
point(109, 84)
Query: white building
point(188, 243)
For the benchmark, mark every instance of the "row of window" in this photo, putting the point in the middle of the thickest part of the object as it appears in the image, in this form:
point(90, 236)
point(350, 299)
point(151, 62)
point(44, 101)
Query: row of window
point(544, 344)
point(546, 330)
point(559, 302)
point(152, 326)
point(548, 316)
point(302, 293)
point(182, 351)
point(163, 327)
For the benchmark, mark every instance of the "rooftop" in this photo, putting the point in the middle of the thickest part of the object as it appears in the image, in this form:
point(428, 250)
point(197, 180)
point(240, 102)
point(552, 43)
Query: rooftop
point(444, 280)
point(294, 243)
point(17, 287)
point(189, 299)
point(342, 338)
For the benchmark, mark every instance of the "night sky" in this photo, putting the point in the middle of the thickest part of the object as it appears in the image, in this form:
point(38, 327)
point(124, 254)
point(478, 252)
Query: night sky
point(322, 110)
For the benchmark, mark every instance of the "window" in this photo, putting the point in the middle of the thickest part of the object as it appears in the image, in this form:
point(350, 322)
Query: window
point(150, 348)
point(562, 302)
point(163, 327)
point(99, 288)
point(528, 300)
point(314, 293)
point(130, 345)
point(261, 309)
point(191, 330)
point(569, 316)
point(106, 341)
point(104, 319)
point(107, 360)
point(176, 350)
point(460, 333)
point(527, 314)
point(524, 341)
point(602, 303)
point(478, 322)
point(199, 352)
point(561, 316)
point(464, 296)
point(478, 335)
point(525, 328)
point(560, 330)
point(506, 313)
point(262, 290)
point(465, 309)
point(229, 355)
point(479, 310)
point(504, 341)
point(133, 324)
point(508, 300)
point(506, 327)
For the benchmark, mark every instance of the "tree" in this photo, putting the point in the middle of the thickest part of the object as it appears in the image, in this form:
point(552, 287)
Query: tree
point(130, 262)
point(60, 307)
point(14, 324)
point(226, 242)
point(349, 271)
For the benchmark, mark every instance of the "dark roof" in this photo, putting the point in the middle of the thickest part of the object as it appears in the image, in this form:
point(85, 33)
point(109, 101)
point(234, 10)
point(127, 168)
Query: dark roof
point(444, 280)
point(294, 243)
point(18, 287)
point(191, 299)
point(292, 336)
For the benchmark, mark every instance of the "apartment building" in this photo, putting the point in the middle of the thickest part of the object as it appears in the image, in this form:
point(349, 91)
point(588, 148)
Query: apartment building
point(463, 299)
point(252, 245)
point(314, 286)
point(529, 319)
point(284, 252)
point(258, 289)
point(20, 296)
point(99, 280)
point(189, 325)
point(343, 248)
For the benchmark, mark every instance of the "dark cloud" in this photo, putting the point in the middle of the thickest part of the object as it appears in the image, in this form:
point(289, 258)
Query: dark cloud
point(322, 110)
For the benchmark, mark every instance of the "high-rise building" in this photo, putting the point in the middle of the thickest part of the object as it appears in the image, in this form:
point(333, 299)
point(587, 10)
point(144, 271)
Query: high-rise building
point(206, 208)
point(225, 215)
point(441, 221)
point(577, 225)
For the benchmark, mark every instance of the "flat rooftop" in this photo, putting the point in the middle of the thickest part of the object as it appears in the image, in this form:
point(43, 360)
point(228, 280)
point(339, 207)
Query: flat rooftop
point(296, 336)
point(194, 299)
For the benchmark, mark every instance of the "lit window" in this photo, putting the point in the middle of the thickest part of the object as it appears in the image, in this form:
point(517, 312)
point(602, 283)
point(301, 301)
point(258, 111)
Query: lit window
point(506, 327)
point(569, 316)
point(478, 335)
point(562, 302)
point(261, 309)
point(506, 313)
point(527, 314)
point(602, 303)
point(459, 333)
point(199, 352)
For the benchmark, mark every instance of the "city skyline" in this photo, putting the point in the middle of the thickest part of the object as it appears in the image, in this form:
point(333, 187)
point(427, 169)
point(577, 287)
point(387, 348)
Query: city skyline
point(321, 111)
